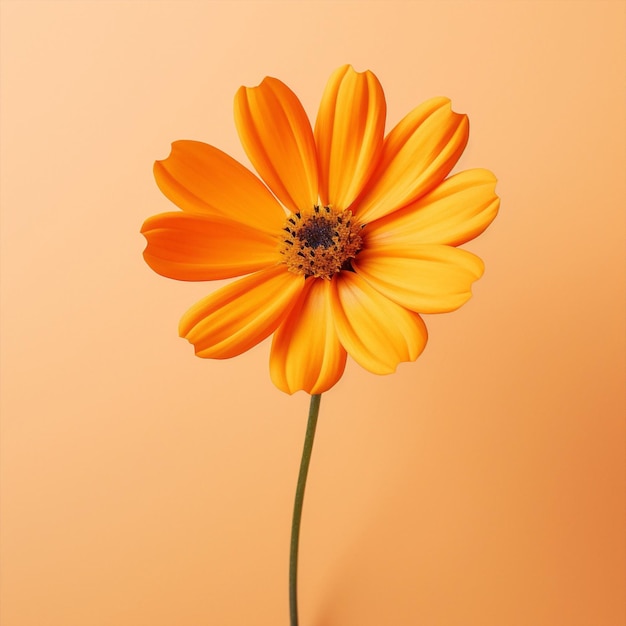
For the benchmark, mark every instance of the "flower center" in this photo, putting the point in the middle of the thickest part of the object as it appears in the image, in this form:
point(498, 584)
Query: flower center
point(320, 243)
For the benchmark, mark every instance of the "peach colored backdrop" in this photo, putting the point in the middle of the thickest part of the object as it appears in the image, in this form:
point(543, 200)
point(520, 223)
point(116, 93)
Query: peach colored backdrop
point(483, 485)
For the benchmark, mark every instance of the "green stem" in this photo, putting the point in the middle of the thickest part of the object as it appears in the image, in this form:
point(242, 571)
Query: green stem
point(314, 409)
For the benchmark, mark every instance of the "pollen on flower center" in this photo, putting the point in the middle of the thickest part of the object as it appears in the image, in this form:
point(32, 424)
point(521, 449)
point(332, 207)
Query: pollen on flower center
point(321, 242)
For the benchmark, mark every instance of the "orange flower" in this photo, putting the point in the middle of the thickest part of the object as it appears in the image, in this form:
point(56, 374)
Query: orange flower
point(354, 235)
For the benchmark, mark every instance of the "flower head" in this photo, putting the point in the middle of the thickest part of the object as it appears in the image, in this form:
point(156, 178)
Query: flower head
point(352, 236)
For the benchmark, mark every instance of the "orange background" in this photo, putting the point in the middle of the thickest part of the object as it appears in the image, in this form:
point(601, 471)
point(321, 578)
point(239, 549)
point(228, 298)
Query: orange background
point(482, 485)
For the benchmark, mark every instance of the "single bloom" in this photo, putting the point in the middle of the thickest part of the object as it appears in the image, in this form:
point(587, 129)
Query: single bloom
point(350, 236)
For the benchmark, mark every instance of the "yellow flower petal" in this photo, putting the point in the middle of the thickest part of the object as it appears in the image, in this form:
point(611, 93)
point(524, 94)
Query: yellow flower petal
point(349, 134)
point(417, 155)
point(422, 278)
point(277, 137)
point(454, 212)
point(239, 316)
point(185, 246)
point(306, 353)
point(199, 178)
point(377, 333)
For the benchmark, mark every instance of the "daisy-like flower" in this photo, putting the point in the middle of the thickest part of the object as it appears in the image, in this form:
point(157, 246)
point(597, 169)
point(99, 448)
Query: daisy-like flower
point(352, 236)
